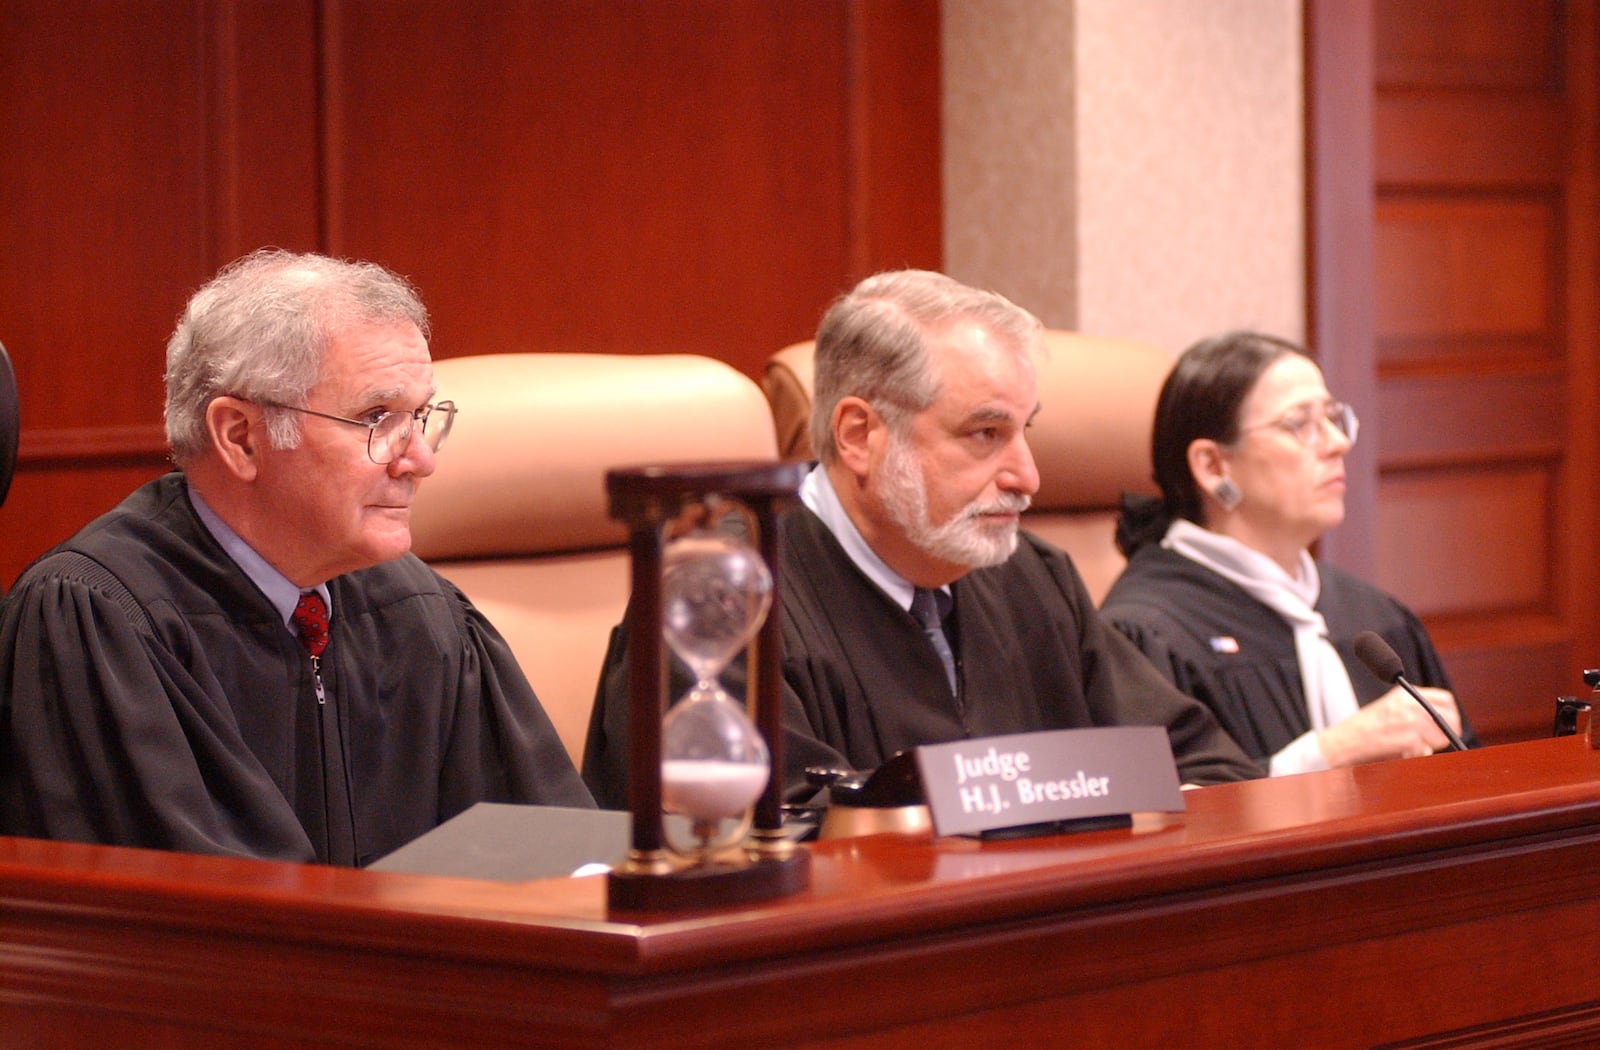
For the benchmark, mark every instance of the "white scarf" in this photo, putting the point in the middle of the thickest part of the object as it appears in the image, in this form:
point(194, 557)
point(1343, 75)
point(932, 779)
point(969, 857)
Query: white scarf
point(1330, 698)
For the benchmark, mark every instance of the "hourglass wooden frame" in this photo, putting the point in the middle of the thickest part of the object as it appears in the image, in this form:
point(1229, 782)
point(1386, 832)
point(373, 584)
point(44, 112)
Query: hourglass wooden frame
point(770, 864)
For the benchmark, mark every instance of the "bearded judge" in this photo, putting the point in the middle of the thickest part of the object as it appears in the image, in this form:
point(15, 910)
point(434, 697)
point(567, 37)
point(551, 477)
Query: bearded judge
point(915, 610)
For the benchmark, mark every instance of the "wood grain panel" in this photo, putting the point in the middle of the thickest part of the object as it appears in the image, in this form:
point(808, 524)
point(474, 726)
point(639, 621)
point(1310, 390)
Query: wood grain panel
point(87, 446)
point(1578, 511)
point(1467, 541)
point(641, 177)
point(1472, 137)
point(102, 205)
point(261, 96)
point(1508, 686)
point(162, 140)
point(1460, 417)
point(1474, 268)
point(46, 506)
point(1502, 44)
point(103, 236)
point(634, 175)
point(894, 94)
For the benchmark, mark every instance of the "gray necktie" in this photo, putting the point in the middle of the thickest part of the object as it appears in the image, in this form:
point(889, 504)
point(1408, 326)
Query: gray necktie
point(930, 608)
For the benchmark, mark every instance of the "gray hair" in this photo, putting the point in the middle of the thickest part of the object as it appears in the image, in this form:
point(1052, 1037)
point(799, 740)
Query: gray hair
point(872, 344)
point(260, 329)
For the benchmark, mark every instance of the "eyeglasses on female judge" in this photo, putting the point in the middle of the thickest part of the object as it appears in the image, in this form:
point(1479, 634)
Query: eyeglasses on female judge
point(389, 433)
point(1309, 424)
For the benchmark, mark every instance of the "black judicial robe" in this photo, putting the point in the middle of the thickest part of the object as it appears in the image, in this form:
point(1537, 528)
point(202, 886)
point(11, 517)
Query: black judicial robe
point(153, 697)
point(1214, 641)
point(861, 681)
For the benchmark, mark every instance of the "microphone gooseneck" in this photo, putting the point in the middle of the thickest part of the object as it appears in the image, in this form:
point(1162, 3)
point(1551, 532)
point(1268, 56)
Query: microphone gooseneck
point(1384, 663)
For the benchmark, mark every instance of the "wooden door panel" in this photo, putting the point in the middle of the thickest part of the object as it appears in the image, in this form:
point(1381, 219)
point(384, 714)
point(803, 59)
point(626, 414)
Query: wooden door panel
point(1420, 137)
point(1483, 333)
point(1444, 419)
point(1468, 542)
point(1477, 268)
point(1506, 681)
point(1498, 44)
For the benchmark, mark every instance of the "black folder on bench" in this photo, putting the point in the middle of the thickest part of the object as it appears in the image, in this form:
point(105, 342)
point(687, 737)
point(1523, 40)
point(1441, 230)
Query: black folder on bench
point(511, 843)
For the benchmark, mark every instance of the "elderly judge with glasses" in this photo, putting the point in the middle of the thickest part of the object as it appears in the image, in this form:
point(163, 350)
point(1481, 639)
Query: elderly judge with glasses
point(1221, 591)
point(243, 657)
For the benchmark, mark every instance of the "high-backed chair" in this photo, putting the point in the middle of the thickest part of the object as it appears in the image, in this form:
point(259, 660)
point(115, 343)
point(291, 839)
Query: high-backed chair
point(1091, 439)
point(10, 423)
point(516, 513)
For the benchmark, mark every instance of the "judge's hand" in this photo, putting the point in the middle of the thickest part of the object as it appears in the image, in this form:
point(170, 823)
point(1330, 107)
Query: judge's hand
point(1393, 726)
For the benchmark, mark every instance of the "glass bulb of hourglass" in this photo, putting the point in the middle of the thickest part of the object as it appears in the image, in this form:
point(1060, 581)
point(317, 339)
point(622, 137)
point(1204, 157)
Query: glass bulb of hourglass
point(715, 593)
point(714, 763)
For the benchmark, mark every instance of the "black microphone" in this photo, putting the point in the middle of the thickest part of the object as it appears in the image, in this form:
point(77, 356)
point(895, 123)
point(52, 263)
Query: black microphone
point(1385, 666)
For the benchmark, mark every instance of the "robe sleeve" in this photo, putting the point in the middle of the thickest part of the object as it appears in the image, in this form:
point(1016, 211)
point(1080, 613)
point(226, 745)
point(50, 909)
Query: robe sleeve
point(1168, 658)
point(1122, 687)
point(110, 738)
point(502, 746)
point(1271, 719)
point(605, 746)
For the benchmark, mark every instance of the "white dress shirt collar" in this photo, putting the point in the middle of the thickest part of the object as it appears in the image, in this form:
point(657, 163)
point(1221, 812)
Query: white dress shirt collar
point(817, 493)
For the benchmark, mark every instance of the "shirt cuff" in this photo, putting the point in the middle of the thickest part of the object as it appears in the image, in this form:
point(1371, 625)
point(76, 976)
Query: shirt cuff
point(1302, 755)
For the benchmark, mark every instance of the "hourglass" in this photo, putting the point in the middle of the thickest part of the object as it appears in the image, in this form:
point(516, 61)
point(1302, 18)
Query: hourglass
point(715, 591)
point(705, 594)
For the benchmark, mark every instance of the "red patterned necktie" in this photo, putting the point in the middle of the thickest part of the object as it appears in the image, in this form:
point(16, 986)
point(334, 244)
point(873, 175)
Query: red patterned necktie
point(311, 620)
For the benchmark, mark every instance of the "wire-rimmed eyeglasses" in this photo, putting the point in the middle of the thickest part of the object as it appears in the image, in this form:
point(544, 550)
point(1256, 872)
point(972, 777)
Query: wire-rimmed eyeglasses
point(1306, 423)
point(390, 433)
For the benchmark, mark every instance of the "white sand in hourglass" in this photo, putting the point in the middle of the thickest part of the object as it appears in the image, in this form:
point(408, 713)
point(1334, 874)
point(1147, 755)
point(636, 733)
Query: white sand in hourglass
point(709, 789)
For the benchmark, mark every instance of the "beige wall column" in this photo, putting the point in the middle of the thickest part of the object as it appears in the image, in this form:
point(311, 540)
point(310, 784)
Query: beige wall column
point(1129, 167)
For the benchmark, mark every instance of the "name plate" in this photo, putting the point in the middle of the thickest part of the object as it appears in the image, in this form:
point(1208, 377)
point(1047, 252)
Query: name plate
point(1050, 781)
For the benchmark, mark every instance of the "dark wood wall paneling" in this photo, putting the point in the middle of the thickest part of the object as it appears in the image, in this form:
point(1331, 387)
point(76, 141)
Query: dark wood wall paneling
point(1485, 322)
point(634, 177)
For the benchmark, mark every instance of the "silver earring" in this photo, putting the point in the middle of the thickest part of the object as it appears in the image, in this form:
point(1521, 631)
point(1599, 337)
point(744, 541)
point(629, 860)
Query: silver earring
point(1227, 494)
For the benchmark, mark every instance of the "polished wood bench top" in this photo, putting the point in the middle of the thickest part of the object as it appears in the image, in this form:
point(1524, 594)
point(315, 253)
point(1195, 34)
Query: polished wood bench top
point(1252, 875)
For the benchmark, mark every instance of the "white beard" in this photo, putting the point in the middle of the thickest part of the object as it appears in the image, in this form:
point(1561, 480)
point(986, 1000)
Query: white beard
point(965, 539)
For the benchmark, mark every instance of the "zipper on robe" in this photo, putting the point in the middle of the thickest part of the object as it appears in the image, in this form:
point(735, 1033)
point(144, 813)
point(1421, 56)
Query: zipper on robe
point(338, 805)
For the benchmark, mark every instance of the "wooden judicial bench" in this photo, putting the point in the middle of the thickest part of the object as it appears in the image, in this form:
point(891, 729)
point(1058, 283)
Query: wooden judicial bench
point(1443, 902)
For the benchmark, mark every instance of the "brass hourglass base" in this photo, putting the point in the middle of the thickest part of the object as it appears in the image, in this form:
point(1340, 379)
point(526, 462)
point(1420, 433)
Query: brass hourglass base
point(660, 882)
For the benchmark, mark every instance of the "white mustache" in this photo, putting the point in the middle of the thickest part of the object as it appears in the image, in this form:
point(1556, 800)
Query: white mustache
point(1008, 503)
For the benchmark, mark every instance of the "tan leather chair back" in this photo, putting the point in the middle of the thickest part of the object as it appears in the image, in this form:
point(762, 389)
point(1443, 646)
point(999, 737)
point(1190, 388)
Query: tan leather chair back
point(1091, 438)
point(516, 515)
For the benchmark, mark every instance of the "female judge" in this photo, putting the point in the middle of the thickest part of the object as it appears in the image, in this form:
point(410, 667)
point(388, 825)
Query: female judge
point(1220, 590)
